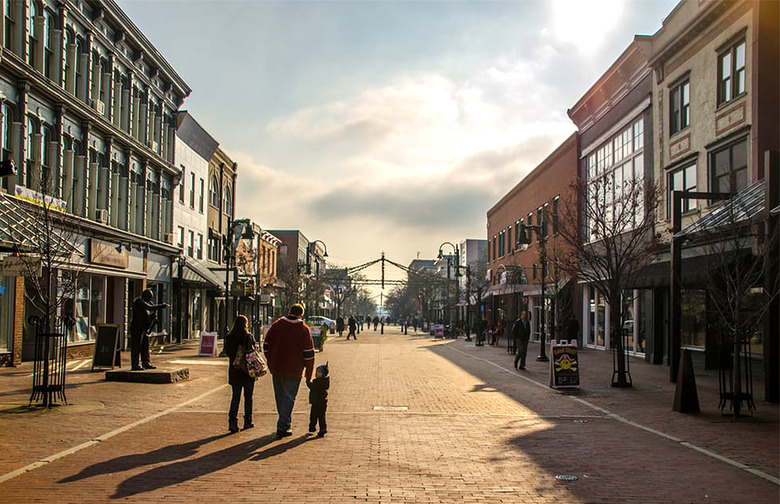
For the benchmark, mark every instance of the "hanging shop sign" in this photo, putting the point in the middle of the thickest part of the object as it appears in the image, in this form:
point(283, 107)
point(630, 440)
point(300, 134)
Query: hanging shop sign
point(108, 254)
point(564, 364)
point(22, 265)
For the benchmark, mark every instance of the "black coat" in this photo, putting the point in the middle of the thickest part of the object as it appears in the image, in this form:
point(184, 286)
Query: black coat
point(318, 390)
point(521, 329)
point(232, 340)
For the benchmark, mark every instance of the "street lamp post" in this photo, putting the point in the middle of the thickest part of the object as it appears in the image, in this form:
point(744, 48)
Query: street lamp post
point(524, 240)
point(456, 257)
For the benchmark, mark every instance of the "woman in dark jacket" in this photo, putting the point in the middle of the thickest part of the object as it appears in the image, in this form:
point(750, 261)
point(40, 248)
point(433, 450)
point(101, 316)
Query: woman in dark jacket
point(237, 379)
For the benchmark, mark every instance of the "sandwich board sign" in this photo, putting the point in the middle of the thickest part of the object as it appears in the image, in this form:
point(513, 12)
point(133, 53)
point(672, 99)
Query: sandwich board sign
point(208, 344)
point(564, 364)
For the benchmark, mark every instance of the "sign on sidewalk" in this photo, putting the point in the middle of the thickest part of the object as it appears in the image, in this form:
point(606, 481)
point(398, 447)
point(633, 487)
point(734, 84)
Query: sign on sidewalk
point(564, 364)
point(208, 344)
point(438, 331)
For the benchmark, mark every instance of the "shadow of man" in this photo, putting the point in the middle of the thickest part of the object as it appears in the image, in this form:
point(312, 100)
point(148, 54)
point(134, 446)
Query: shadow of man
point(190, 469)
point(127, 462)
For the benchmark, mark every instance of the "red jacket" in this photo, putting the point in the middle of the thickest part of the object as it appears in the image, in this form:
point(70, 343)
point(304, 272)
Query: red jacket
point(289, 348)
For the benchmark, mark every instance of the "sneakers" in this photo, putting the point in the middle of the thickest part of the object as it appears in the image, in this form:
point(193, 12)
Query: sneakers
point(283, 433)
point(233, 427)
point(312, 429)
point(322, 433)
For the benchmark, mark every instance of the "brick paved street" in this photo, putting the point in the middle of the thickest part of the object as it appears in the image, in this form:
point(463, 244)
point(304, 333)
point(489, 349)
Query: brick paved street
point(410, 420)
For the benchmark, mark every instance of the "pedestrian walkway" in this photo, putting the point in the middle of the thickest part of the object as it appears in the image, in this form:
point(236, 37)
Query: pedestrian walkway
point(410, 419)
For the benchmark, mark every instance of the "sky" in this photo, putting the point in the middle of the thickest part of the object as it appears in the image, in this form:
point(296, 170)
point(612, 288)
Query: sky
point(387, 125)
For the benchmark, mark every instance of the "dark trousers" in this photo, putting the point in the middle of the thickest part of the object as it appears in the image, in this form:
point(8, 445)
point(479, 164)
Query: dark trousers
point(139, 346)
point(351, 333)
point(235, 400)
point(522, 351)
point(318, 415)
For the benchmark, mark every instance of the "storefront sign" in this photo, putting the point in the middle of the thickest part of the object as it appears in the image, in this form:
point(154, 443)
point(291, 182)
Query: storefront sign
point(24, 265)
point(438, 331)
point(208, 344)
point(39, 199)
point(564, 364)
point(108, 254)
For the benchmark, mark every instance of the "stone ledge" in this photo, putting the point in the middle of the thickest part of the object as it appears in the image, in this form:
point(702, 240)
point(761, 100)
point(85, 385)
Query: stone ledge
point(170, 375)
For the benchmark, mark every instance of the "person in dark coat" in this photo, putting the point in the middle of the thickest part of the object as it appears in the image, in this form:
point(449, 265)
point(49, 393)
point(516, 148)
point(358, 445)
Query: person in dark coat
point(572, 329)
point(340, 325)
point(521, 332)
point(352, 323)
point(376, 322)
point(238, 380)
point(144, 317)
point(318, 398)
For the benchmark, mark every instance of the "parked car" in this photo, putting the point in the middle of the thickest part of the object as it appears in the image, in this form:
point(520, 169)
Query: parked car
point(320, 320)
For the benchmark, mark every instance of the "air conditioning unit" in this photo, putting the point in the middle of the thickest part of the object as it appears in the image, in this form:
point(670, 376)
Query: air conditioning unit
point(101, 215)
point(155, 145)
point(169, 238)
point(100, 107)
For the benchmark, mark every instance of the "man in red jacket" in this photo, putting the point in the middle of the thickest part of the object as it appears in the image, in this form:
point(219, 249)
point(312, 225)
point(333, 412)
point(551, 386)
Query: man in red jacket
point(289, 349)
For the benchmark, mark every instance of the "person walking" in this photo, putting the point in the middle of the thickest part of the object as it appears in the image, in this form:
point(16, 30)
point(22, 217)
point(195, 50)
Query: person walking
point(289, 349)
point(376, 322)
point(340, 325)
point(144, 317)
point(521, 331)
point(237, 379)
point(352, 323)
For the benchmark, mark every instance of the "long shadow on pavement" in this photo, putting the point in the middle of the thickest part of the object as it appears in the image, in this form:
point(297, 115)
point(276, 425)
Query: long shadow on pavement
point(190, 469)
point(127, 462)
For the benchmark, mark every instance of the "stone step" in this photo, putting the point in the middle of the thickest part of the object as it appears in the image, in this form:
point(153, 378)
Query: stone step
point(160, 375)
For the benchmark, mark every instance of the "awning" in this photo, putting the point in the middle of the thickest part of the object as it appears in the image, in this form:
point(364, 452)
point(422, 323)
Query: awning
point(742, 207)
point(694, 270)
point(21, 230)
point(195, 271)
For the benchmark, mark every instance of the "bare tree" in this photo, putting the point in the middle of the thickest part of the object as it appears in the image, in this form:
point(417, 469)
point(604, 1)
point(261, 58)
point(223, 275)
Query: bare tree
point(288, 272)
point(737, 259)
point(608, 228)
point(340, 284)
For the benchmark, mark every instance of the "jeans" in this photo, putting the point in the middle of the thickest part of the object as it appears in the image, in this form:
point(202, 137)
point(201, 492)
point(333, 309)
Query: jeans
point(285, 390)
point(235, 400)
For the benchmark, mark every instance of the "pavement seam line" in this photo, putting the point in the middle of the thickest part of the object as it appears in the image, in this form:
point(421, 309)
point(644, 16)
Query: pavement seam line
point(104, 437)
point(645, 428)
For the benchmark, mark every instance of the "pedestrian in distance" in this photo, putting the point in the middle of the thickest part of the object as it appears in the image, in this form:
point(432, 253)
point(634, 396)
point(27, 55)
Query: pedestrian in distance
point(376, 322)
point(237, 379)
point(340, 325)
point(572, 329)
point(414, 323)
point(144, 318)
point(318, 398)
point(352, 323)
point(289, 349)
point(521, 331)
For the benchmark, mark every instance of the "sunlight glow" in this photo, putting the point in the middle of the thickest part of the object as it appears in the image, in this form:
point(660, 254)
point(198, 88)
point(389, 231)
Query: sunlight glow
point(585, 23)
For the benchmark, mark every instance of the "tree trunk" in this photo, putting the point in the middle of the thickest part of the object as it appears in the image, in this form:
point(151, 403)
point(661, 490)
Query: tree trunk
point(620, 374)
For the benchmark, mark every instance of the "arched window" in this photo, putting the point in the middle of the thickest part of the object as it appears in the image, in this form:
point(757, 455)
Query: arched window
point(228, 202)
point(214, 192)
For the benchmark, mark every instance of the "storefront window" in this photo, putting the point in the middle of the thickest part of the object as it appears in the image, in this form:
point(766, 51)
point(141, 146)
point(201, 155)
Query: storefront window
point(161, 295)
point(694, 308)
point(600, 320)
point(87, 305)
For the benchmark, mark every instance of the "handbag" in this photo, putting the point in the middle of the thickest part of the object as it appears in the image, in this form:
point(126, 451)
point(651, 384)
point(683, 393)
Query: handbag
point(255, 364)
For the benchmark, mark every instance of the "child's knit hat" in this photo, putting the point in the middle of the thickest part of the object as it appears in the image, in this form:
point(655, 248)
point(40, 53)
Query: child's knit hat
point(323, 369)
